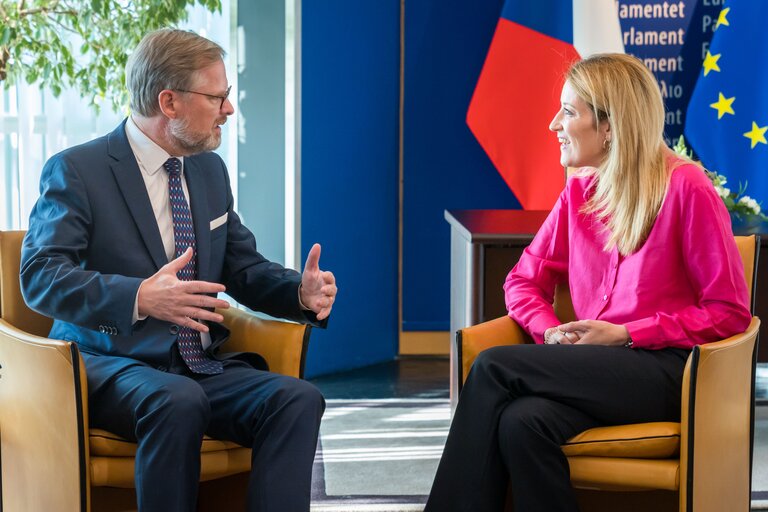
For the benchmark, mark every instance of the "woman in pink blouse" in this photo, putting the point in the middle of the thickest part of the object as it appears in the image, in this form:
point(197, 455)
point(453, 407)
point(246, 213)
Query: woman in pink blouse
point(645, 244)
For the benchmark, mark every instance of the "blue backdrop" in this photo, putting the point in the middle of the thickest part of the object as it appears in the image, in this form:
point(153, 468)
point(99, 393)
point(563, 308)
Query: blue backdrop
point(349, 196)
point(444, 166)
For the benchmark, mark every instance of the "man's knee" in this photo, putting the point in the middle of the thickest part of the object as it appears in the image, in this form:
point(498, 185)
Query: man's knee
point(297, 398)
point(182, 403)
point(301, 394)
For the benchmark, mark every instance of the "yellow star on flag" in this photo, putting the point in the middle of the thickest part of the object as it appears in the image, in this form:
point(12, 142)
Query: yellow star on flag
point(723, 105)
point(710, 63)
point(756, 134)
point(722, 20)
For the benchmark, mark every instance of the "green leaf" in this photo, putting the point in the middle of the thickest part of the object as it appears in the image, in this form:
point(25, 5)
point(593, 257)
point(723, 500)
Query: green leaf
point(6, 37)
point(41, 44)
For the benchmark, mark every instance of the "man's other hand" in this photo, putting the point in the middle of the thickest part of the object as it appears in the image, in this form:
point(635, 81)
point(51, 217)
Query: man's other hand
point(166, 297)
point(318, 288)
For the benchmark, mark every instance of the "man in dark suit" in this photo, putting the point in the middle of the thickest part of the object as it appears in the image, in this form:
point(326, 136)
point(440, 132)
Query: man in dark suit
point(133, 236)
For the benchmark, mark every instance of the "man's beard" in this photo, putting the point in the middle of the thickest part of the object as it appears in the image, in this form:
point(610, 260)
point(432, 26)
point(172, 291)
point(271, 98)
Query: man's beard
point(191, 143)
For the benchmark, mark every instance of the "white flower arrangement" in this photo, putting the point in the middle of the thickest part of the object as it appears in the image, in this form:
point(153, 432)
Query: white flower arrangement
point(739, 205)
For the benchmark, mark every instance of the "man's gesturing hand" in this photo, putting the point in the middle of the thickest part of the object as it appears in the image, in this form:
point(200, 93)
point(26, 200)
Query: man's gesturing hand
point(165, 297)
point(318, 288)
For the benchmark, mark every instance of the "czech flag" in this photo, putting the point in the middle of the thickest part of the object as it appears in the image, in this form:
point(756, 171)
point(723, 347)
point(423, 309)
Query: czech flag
point(518, 92)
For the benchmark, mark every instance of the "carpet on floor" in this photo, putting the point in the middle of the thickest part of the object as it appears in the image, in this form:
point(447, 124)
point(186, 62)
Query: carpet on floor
point(378, 455)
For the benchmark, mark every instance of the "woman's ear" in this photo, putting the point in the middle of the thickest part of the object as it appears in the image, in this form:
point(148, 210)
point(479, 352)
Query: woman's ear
point(605, 131)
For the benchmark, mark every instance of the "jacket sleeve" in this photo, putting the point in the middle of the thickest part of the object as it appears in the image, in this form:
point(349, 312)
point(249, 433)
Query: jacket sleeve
point(256, 282)
point(53, 279)
point(714, 268)
point(530, 286)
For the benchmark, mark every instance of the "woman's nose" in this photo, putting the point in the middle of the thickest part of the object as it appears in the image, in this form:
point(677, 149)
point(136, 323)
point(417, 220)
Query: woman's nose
point(554, 125)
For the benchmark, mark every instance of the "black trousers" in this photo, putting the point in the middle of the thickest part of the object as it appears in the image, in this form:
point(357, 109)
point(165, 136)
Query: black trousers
point(168, 412)
point(520, 403)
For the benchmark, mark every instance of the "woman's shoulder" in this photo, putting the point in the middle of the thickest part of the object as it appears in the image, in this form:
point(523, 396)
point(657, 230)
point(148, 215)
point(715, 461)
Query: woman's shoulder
point(686, 175)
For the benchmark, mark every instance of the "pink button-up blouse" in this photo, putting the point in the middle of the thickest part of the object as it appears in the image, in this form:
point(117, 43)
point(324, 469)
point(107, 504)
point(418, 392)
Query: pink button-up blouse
point(683, 287)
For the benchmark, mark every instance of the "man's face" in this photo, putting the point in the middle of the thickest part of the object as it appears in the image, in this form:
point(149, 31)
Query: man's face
point(198, 126)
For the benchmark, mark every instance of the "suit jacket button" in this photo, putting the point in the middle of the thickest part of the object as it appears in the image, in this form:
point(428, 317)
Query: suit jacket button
point(174, 329)
point(102, 330)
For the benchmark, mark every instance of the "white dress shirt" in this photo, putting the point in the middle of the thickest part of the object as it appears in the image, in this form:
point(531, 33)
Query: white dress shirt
point(151, 158)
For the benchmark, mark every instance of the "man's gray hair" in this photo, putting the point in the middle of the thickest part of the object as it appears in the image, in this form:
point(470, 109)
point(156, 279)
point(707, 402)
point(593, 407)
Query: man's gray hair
point(166, 59)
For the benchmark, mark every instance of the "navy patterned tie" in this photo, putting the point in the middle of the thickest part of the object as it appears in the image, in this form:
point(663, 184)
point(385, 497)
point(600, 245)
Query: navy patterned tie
point(190, 346)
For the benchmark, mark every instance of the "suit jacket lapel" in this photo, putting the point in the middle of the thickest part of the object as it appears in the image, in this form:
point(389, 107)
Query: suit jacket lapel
point(200, 215)
point(131, 184)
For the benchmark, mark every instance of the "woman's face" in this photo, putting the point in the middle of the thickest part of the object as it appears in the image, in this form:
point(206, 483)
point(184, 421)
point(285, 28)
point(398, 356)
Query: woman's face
point(581, 145)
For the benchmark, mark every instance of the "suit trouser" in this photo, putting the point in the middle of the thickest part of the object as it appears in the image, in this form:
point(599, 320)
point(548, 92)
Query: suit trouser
point(520, 403)
point(168, 413)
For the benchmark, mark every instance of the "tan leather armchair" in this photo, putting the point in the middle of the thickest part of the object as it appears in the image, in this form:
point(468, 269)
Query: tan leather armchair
point(51, 459)
point(701, 464)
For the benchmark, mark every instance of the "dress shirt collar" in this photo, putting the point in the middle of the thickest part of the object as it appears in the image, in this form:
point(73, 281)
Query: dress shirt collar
point(150, 156)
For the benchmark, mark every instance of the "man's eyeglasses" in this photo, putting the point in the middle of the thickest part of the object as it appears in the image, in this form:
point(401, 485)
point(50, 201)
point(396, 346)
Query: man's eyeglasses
point(222, 98)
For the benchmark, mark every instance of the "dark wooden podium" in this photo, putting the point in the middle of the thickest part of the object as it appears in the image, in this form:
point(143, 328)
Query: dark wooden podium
point(486, 244)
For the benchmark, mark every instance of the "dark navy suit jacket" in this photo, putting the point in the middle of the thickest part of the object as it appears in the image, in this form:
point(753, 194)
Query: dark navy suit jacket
point(93, 238)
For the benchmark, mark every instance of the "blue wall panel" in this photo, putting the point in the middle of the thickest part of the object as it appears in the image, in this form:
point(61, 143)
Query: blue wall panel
point(350, 72)
point(444, 166)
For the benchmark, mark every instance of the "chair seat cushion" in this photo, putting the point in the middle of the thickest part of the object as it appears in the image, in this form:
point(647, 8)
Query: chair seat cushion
point(107, 444)
point(659, 440)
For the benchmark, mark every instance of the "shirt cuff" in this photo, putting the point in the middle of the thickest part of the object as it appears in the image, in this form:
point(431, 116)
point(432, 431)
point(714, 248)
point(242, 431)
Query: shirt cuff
point(539, 324)
point(136, 316)
point(644, 332)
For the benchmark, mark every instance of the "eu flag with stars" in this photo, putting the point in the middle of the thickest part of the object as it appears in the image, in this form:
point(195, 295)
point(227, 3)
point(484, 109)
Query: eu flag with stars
point(727, 121)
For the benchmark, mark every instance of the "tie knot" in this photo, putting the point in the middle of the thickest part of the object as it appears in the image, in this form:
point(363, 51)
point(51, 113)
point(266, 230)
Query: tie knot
point(172, 166)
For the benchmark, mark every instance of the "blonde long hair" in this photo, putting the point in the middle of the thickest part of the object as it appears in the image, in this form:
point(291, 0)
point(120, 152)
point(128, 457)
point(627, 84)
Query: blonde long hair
point(632, 180)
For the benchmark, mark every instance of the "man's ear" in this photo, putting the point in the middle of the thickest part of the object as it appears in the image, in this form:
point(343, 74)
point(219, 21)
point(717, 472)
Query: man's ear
point(168, 102)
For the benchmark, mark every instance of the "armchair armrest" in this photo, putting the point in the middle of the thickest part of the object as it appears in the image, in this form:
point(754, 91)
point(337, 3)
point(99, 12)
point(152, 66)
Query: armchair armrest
point(470, 341)
point(43, 422)
point(718, 411)
point(282, 344)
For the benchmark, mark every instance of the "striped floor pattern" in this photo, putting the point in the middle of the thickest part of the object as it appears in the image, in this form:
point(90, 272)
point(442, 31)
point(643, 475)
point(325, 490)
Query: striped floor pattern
point(378, 455)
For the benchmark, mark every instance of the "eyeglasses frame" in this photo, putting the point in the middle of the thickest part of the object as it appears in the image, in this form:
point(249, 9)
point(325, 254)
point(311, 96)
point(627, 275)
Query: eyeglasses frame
point(222, 98)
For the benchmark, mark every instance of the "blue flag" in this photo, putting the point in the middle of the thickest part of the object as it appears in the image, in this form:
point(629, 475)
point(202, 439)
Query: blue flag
point(727, 121)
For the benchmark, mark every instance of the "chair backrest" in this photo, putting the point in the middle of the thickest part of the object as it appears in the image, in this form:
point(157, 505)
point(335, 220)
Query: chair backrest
point(13, 309)
point(749, 247)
